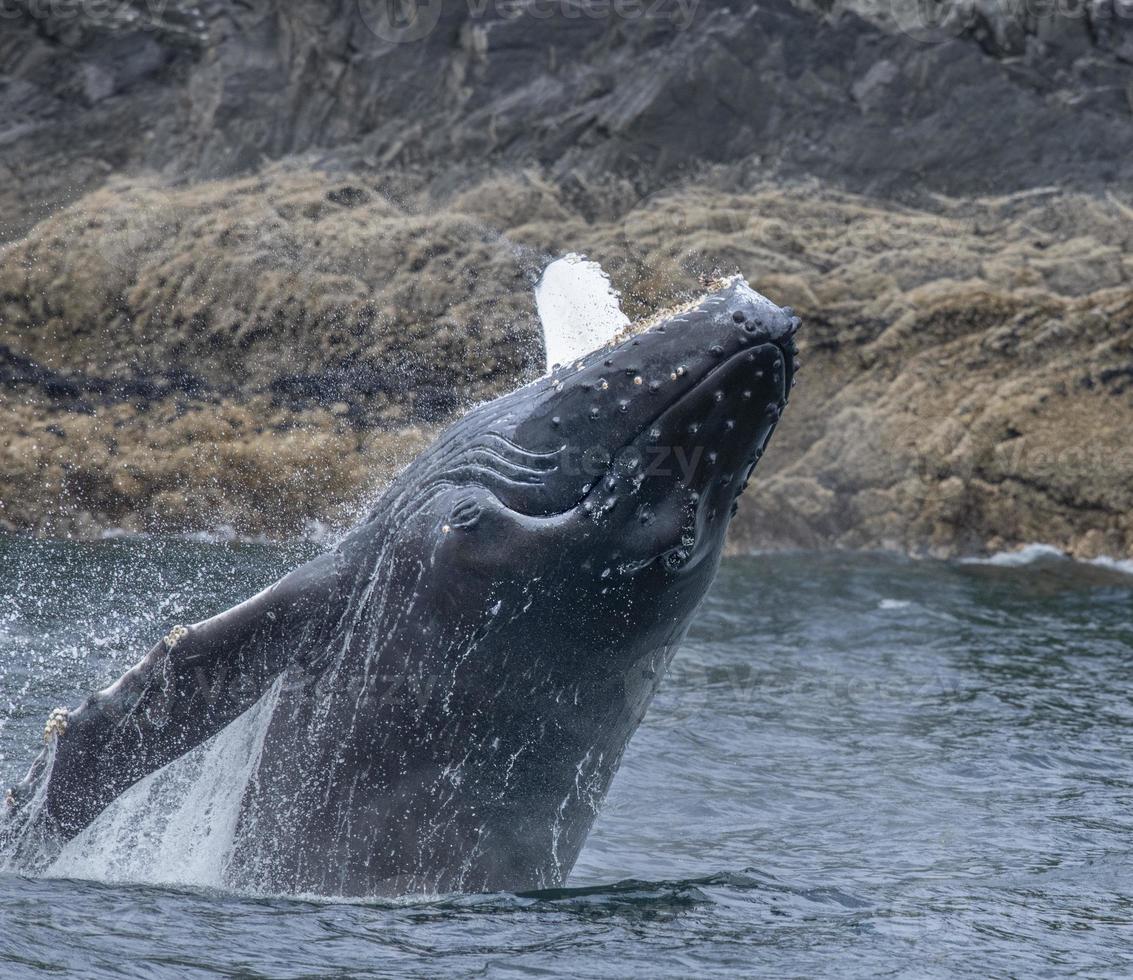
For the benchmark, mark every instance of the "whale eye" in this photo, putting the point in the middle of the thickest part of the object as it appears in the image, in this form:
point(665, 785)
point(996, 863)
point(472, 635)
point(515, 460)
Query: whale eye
point(466, 513)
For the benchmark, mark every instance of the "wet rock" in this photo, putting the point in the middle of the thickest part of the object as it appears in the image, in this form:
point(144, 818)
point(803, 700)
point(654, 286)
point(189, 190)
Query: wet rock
point(264, 346)
point(991, 98)
point(227, 222)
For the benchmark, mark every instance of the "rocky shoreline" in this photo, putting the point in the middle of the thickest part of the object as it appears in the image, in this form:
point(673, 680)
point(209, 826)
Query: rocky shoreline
point(194, 335)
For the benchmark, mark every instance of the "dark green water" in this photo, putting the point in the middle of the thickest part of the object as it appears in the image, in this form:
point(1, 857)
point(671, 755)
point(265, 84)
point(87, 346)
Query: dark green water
point(859, 766)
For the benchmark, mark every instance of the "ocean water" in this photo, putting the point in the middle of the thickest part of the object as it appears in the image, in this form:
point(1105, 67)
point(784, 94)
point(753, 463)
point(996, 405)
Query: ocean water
point(860, 765)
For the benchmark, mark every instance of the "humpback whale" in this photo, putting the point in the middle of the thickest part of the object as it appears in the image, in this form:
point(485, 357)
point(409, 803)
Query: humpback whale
point(457, 679)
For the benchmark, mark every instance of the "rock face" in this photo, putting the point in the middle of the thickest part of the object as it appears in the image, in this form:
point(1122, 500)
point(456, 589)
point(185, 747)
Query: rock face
point(648, 90)
point(258, 252)
point(973, 396)
point(239, 351)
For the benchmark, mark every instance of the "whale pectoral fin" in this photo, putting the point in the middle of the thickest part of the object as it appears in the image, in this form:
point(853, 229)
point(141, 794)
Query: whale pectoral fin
point(193, 683)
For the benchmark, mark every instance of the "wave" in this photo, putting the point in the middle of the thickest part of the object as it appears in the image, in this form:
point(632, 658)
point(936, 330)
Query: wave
point(1032, 554)
point(198, 869)
point(629, 893)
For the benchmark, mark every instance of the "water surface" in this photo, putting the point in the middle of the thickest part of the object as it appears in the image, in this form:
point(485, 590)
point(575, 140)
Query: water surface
point(859, 765)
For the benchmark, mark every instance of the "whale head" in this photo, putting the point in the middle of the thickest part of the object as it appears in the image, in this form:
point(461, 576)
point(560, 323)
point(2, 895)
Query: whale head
point(616, 475)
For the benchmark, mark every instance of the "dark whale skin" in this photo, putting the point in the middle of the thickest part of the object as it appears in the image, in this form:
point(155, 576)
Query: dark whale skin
point(457, 680)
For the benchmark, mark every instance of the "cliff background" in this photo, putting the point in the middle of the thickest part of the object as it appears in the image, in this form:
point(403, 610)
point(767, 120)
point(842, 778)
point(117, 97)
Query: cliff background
point(252, 255)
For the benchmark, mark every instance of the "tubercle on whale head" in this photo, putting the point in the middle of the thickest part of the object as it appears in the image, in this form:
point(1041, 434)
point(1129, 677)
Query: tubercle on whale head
point(649, 441)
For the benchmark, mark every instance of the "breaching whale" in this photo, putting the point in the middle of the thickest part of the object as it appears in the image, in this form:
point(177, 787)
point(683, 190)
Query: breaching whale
point(464, 670)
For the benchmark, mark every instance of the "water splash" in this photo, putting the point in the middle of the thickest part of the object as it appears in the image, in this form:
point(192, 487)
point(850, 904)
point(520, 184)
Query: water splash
point(24, 842)
point(177, 826)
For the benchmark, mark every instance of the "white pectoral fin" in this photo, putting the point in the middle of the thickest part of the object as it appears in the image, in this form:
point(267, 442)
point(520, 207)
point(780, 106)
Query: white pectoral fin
point(579, 308)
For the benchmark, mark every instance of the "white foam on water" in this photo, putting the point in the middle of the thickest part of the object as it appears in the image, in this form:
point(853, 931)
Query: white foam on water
point(893, 604)
point(1032, 553)
point(1027, 555)
point(114, 533)
point(579, 308)
point(176, 826)
point(1117, 564)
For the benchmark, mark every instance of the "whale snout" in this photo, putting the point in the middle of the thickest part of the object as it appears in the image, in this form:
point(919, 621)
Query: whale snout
point(706, 381)
point(759, 318)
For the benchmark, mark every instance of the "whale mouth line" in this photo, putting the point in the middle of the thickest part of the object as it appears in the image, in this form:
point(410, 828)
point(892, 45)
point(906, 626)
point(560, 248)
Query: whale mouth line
point(717, 369)
point(712, 374)
point(697, 388)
